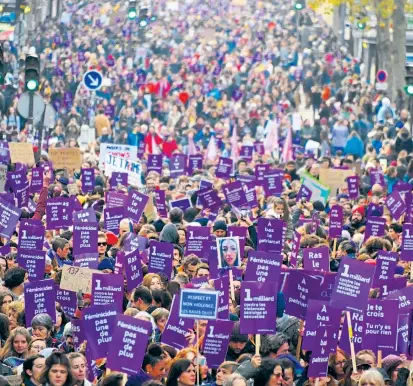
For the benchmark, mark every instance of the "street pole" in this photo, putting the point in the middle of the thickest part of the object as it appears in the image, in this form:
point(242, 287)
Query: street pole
point(411, 112)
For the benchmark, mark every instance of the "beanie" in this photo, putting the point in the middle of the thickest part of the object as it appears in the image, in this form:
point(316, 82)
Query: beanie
point(220, 225)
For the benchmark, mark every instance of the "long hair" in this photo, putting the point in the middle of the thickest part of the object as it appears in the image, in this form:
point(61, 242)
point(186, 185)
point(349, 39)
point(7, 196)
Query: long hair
point(177, 368)
point(57, 358)
point(8, 349)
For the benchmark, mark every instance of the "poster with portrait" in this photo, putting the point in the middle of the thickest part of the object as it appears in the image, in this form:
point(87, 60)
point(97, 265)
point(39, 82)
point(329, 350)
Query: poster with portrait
point(228, 252)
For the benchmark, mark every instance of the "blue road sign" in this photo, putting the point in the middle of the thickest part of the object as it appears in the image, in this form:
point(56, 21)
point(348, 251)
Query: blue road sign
point(381, 76)
point(93, 80)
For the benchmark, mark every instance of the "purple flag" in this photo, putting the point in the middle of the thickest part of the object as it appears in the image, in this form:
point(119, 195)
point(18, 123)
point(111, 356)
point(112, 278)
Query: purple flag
point(135, 205)
point(270, 235)
point(107, 289)
point(352, 286)
point(258, 307)
point(195, 162)
point(9, 216)
point(407, 245)
point(235, 194)
point(177, 165)
point(114, 199)
point(375, 226)
point(39, 298)
point(37, 180)
point(385, 266)
point(85, 238)
point(263, 266)
point(160, 257)
point(68, 301)
point(336, 221)
point(112, 218)
point(154, 163)
point(88, 180)
point(246, 153)
point(353, 187)
point(58, 213)
point(396, 205)
point(127, 350)
point(118, 178)
point(224, 168)
point(216, 341)
point(85, 216)
point(317, 259)
point(209, 199)
point(197, 240)
point(99, 322)
point(33, 262)
point(31, 237)
point(133, 269)
point(160, 201)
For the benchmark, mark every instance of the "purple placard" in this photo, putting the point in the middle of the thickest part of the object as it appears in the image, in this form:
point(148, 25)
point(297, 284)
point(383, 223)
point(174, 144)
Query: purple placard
point(36, 180)
point(216, 341)
point(317, 259)
point(224, 168)
point(304, 193)
point(107, 289)
point(299, 288)
point(319, 314)
point(246, 153)
point(406, 253)
point(324, 342)
point(270, 235)
point(99, 322)
point(235, 194)
point(386, 263)
point(133, 269)
point(88, 180)
point(9, 216)
point(31, 237)
point(197, 240)
point(176, 328)
point(87, 260)
point(209, 199)
point(273, 182)
point(135, 205)
point(33, 262)
point(85, 238)
point(396, 205)
point(374, 210)
point(263, 266)
point(114, 199)
point(118, 178)
point(154, 163)
point(195, 162)
point(112, 218)
point(336, 221)
point(160, 202)
point(376, 177)
point(222, 286)
point(58, 213)
point(353, 186)
point(4, 153)
point(119, 262)
point(375, 226)
point(126, 352)
point(390, 286)
point(358, 327)
point(181, 203)
point(295, 248)
point(68, 301)
point(22, 195)
point(110, 111)
point(17, 179)
point(177, 165)
point(84, 216)
point(39, 298)
point(258, 307)
point(260, 171)
point(352, 286)
point(251, 194)
point(405, 297)
point(259, 148)
point(160, 257)
point(403, 323)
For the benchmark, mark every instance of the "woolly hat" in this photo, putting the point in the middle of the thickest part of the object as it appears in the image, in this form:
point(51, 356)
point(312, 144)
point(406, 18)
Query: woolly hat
point(391, 361)
point(220, 225)
point(358, 209)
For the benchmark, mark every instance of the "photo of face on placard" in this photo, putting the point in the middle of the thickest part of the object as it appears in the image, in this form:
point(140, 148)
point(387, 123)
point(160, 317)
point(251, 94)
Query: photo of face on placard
point(228, 252)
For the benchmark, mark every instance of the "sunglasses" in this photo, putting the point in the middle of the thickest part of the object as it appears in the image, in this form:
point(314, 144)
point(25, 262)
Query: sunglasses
point(102, 244)
point(364, 367)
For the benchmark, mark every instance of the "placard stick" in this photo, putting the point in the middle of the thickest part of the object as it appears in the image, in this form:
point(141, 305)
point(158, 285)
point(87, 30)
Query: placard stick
point(410, 381)
point(334, 248)
point(350, 336)
point(411, 270)
point(257, 344)
point(379, 357)
point(300, 340)
point(231, 285)
point(317, 381)
point(197, 351)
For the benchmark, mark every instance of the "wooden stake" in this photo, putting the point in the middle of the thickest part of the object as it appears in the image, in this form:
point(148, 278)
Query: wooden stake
point(379, 357)
point(317, 381)
point(334, 248)
point(411, 270)
point(300, 340)
point(257, 344)
point(350, 336)
point(231, 285)
point(197, 352)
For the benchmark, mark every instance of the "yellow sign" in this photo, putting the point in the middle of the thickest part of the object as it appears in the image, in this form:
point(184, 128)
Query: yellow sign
point(334, 178)
point(77, 279)
point(21, 152)
point(66, 158)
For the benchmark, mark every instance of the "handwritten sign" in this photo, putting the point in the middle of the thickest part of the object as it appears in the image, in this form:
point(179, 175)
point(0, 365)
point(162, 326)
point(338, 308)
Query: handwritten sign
point(21, 152)
point(66, 158)
point(77, 279)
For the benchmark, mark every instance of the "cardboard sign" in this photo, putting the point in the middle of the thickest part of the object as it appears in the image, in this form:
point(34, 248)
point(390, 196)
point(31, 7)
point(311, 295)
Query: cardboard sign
point(77, 279)
point(3, 176)
point(14, 380)
point(335, 178)
point(22, 152)
point(66, 158)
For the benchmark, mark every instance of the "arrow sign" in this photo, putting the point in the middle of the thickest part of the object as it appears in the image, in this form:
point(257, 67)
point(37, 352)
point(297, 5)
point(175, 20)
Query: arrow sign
point(93, 80)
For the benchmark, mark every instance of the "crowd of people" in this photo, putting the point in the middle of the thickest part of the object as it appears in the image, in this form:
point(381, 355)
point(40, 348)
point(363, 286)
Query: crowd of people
point(215, 80)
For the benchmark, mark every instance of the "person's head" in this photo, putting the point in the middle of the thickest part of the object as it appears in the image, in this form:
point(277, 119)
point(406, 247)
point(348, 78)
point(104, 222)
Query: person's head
point(155, 362)
point(78, 366)
point(235, 380)
point(202, 270)
point(102, 244)
point(169, 234)
point(5, 300)
point(152, 281)
point(17, 344)
point(37, 345)
point(371, 378)
point(289, 371)
point(225, 370)
point(13, 311)
point(392, 364)
point(68, 337)
point(274, 345)
point(367, 356)
point(113, 379)
point(395, 230)
point(142, 298)
point(33, 367)
point(161, 316)
point(57, 370)
point(15, 278)
point(220, 229)
point(176, 216)
point(270, 373)
point(124, 226)
point(357, 214)
point(182, 373)
point(177, 255)
point(338, 360)
point(190, 265)
point(61, 247)
point(237, 341)
point(42, 326)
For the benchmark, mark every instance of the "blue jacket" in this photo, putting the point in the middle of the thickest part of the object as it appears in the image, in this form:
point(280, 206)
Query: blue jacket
point(354, 145)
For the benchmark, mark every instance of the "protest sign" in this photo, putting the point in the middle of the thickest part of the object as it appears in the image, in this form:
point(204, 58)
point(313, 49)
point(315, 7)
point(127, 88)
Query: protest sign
point(22, 152)
point(390, 286)
point(241, 233)
point(88, 180)
point(317, 259)
point(85, 238)
point(405, 298)
point(177, 165)
point(222, 286)
point(246, 153)
point(160, 202)
point(77, 279)
point(87, 260)
point(353, 186)
point(135, 205)
point(198, 304)
point(133, 269)
point(196, 240)
point(406, 253)
point(9, 216)
point(376, 177)
point(228, 252)
point(33, 261)
point(319, 191)
point(31, 237)
point(112, 218)
point(324, 342)
point(118, 164)
point(209, 199)
point(385, 266)
point(126, 352)
point(195, 162)
point(154, 163)
point(216, 341)
point(85, 216)
point(36, 182)
point(402, 343)
point(396, 205)
point(114, 199)
point(16, 180)
point(160, 257)
point(334, 179)
point(118, 178)
point(181, 203)
point(62, 158)
point(336, 221)
point(375, 226)
point(263, 266)
point(224, 168)
point(260, 171)
point(99, 322)
point(235, 195)
point(251, 194)
point(107, 289)
point(352, 286)
point(39, 298)
point(68, 301)
point(258, 307)
point(273, 182)
point(127, 152)
point(3, 176)
point(270, 235)
point(358, 328)
point(303, 194)
point(58, 213)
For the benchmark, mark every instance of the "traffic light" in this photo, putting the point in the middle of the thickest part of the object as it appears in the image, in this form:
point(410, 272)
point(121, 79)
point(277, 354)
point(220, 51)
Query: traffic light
point(2, 65)
point(132, 12)
point(408, 89)
point(361, 25)
point(32, 73)
point(23, 6)
point(299, 5)
point(143, 17)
